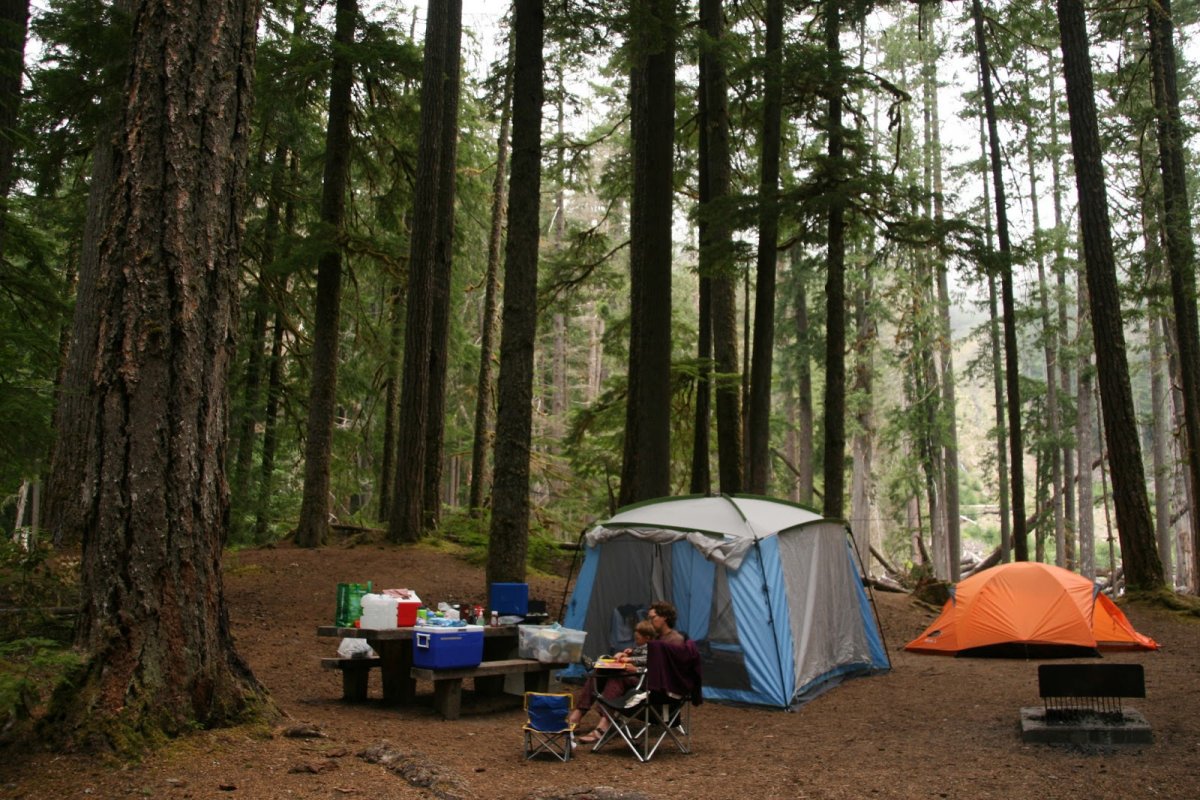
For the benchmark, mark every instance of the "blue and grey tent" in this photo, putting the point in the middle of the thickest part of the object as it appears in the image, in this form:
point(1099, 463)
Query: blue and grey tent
point(770, 591)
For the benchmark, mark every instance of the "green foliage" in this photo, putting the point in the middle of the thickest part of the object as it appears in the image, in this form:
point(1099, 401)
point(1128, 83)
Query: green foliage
point(36, 578)
point(31, 670)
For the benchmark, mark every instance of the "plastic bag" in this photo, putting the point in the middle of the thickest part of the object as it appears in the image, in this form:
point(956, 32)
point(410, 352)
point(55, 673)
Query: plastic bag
point(349, 603)
point(355, 648)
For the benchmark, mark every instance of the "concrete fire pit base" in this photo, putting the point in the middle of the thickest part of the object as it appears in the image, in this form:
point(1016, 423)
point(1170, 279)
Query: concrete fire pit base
point(1132, 728)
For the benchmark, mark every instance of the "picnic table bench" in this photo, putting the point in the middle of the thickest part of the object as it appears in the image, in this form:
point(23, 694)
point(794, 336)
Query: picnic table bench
point(355, 672)
point(399, 676)
point(447, 683)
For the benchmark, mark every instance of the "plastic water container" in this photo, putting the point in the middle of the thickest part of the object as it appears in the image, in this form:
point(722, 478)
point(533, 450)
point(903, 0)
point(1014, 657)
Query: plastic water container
point(379, 611)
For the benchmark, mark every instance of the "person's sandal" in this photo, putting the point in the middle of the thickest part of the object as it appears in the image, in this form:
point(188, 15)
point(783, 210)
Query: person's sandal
point(590, 737)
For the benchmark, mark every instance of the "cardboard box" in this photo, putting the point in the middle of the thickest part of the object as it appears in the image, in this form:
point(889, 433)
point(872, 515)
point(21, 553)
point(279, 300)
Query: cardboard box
point(447, 648)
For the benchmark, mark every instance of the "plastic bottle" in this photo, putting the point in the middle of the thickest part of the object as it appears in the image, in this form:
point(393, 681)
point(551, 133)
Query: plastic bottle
point(495, 619)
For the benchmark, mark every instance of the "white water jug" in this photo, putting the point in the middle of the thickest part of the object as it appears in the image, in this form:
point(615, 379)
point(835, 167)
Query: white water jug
point(379, 611)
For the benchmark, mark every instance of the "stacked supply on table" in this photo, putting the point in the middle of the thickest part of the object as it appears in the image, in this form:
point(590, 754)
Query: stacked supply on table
point(393, 608)
point(550, 644)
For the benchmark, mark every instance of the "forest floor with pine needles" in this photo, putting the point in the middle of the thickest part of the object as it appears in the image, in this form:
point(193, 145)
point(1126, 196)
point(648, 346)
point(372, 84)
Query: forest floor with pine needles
point(931, 727)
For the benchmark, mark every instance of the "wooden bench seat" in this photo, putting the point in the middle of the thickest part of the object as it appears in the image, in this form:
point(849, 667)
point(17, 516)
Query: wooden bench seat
point(447, 683)
point(355, 672)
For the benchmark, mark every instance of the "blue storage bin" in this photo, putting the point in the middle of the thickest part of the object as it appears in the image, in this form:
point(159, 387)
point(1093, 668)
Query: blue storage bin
point(447, 648)
point(510, 598)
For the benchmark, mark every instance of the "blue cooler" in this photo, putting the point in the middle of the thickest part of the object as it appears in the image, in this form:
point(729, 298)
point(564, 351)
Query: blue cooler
point(447, 648)
point(510, 599)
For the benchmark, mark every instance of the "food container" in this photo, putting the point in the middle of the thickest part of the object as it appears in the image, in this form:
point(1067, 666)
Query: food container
point(550, 644)
point(510, 598)
point(406, 612)
point(447, 647)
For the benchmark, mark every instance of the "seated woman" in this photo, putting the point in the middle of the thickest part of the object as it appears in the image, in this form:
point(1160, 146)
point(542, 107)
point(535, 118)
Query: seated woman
point(632, 658)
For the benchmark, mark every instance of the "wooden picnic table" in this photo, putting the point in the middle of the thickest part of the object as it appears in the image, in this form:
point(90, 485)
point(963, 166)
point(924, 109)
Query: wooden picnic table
point(395, 661)
point(395, 650)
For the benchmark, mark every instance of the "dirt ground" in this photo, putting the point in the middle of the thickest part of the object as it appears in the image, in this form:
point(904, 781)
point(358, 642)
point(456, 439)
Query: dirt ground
point(932, 727)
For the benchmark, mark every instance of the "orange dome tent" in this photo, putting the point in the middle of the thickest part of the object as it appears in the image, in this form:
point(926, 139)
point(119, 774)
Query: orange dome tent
point(1027, 609)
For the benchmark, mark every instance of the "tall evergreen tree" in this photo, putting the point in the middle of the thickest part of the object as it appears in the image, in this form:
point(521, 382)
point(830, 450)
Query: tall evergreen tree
point(443, 261)
point(646, 462)
point(716, 246)
point(835, 278)
point(407, 513)
point(322, 400)
point(155, 508)
point(759, 425)
point(1178, 233)
point(509, 532)
point(1142, 567)
point(483, 390)
point(1011, 370)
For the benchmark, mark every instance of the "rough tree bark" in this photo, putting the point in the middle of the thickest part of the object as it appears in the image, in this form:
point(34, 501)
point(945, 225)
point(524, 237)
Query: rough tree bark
point(313, 524)
point(1011, 369)
point(1180, 248)
point(646, 461)
point(716, 249)
point(761, 365)
point(155, 505)
point(487, 326)
point(509, 535)
point(443, 262)
point(835, 279)
point(1138, 552)
point(407, 514)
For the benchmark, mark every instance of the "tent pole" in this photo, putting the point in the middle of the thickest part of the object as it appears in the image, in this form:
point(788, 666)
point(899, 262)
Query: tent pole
point(562, 605)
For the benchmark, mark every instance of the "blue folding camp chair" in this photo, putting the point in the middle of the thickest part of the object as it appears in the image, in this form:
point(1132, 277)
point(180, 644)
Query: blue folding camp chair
point(547, 729)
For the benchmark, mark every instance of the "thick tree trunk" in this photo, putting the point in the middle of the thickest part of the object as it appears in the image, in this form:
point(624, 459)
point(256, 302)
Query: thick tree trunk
point(716, 250)
point(509, 536)
point(408, 496)
point(1141, 564)
point(322, 399)
point(443, 262)
point(759, 438)
point(1011, 371)
point(646, 462)
point(835, 279)
point(1180, 248)
point(155, 509)
point(487, 326)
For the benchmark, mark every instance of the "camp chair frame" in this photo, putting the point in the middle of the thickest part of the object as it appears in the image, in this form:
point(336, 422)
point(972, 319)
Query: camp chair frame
point(645, 719)
point(558, 742)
